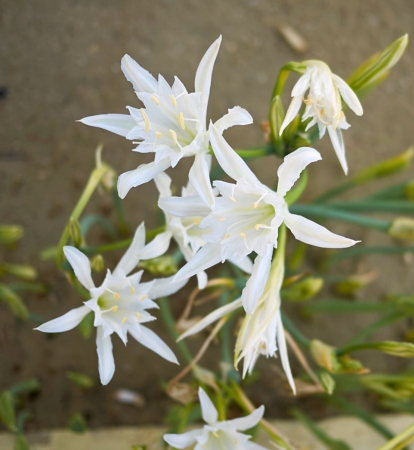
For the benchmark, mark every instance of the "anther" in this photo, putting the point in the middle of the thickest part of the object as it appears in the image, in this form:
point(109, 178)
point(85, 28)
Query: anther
point(114, 308)
point(242, 235)
point(144, 297)
point(197, 221)
point(181, 120)
point(174, 136)
point(138, 315)
point(232, 198)
point(220, 219)
point(146, 120)
point(158, 135)
point(124, 320)
point(259, 225)
point(155, 99)
point(226, 236)
point(173, 100)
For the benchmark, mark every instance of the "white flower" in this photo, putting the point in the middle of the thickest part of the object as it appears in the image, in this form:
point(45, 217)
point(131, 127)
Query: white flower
point(247, 216)
point(323, 104)
point(120, 304)
point(172, 125)
point(218, 435)
point(186, 231)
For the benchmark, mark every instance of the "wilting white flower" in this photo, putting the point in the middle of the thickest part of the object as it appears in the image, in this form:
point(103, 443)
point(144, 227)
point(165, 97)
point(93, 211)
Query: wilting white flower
point(186, 231)
point(172, 125)
point(120, 304)
point(323, 104)
point(247, 216)
point(218, 435)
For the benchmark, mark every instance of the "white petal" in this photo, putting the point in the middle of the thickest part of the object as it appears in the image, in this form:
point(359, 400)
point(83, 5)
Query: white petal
point(149, 339)
point(257, 282)
point(142, 174)
point(212, 317)
point(301, 85)
point(208, 410)
point(202, 280)
point(164, 287)
point(311, 233)
point(244, 264)
point(80, 265)
point(339, 146)
point(292, 166)
point(245, 423)
point(130, 259)
point(235, 116)
point(228, 159)
point(140, 78)
point(182, 440)
point(281, 342)
point(157, 247)
point(120, 124)
point(163, 183)
point(105, 357)
point(348, 95)
point(293, 109)
point(184, 206)
point(204, 73)
point(199, 177)
point(206, 257)
point(66, 322)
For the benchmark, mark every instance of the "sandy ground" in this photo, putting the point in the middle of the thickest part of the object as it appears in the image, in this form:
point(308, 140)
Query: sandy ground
point(60, 61)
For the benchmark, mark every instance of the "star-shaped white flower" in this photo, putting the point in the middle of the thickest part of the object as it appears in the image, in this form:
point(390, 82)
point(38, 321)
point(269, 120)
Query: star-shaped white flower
point(323, 104)
point(120, 304)
point(247, 216)
point(218, 435)
point(172, 125)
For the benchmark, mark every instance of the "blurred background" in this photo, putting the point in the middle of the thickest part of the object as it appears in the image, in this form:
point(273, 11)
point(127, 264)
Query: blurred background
point(60, 62)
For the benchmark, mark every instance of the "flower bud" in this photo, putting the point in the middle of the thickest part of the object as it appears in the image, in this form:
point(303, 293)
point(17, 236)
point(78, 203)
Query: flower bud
point(9, 234)
point(276, 116)
point(75, 232)
point(84, 381)
point(400, 349)
point(327, 382)
point(22, 271)
point(385, 168)
point(162, 265)
point(304, 289)
point(324, 355)
point(402, 228)
point(409, 191)
point(352, 283)
point(14, 302)
point(98, 263)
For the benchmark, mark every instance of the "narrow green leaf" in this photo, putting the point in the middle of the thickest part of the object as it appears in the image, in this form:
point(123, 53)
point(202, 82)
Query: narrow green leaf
point(14, 302)
point(7, 411)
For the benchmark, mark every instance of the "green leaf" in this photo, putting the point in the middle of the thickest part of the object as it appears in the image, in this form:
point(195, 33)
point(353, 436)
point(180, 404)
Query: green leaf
point(19, 270)
point(84, 381)
point(7, 410)
point(25, 387)
point(14, 301)
point(20, 443)
point(77, 423)
point(9, 234)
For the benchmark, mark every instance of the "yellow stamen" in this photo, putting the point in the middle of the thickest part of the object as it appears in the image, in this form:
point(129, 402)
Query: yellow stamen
point(138, 315)
point(146, 120)
point(181, 120)
point(226, 236)
point(232, 199)
point(242, 235)
point(124, 320)
point(174, 136)
point(197, 221)
point(322, 113)
point(116, 295)
point(114, 308)
point(132, 290)
point(215, 434)
point(255, 205)
point(143, 297)
point(158, 135)
point(259, 225)
point(155, 99)
point(173, 100)
point(220, 219)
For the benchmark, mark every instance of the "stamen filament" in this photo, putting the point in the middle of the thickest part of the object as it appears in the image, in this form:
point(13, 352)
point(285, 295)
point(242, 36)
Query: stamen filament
point(173, 100)
point(146, 120)
point(181, 120)
point(155, 99)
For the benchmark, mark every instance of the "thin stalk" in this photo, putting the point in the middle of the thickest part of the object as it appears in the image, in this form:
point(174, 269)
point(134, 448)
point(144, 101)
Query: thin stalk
point(335, 191)
point(257, 152)
point(390, 192)
point(330, 213)
point(403, 438)
point(388, 206)
point(168, 318)
point(120, 212)
point(296, 334)
point(225, 333)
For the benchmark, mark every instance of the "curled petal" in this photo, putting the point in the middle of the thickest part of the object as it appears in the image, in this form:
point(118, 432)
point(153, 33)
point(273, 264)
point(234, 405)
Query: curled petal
point(163, 287)
point(149, 339)
point(66, 322)
point(348, 95)
point(244, 264)
point(212, 317)
point(235, 116)
point(293, 109)
point(163, 183)
point(140, 78)
point(80, 265)
point(281, 342)
point(250, 421)
point(208, 410)
point(157, 247)
point(202, 280)
point(292, 166)
point(183, 440)
point(130, 259)
point(199, 177)
point(311, 233)
point(191, 206)
point(339, 146)
point(228, 159)
point(142, 174)
point(120, 124)
point(105, 356)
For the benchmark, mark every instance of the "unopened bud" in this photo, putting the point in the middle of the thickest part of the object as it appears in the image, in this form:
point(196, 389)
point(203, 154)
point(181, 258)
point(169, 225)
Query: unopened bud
point(355, 282)
point(304, 289)
point(162, 265)
point(402, 228)
point(276, 116)
point(300, 141)
point(350, 365)
point(9, 234)
point(324, 355)
point(291, 129)
point(75, 232)
point(409, 191)
point(22, 271)
point(385, 168)
point(327, 382)
point(97, 263)
point(400, 349)
point(84, 381)
point(109, 179)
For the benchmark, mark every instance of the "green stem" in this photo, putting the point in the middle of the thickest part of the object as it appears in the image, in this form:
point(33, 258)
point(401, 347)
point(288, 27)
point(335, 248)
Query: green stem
point(281, 81)
point(335, 191)
point(257, 152)
point(403, 438)
point(390, 192)
point(388, 206)
point(353, 348)
point(120, 212)
point(169, 321)
point(330, 213)
point(296, 334)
